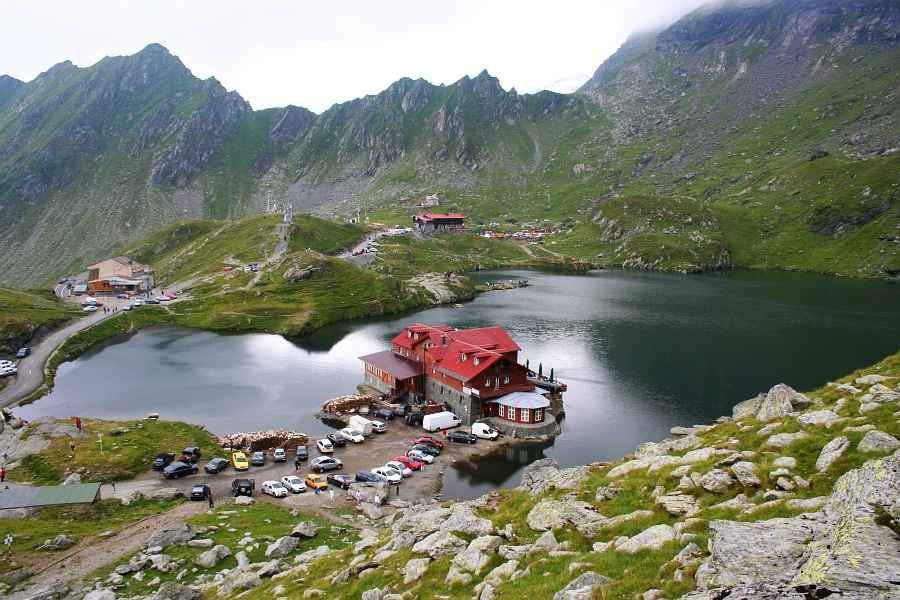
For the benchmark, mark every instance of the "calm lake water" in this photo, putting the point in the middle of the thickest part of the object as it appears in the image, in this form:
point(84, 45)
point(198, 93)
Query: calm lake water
point(640, 352)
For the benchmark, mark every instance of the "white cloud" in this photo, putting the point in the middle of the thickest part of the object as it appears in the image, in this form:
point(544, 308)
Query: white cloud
point(317, 53)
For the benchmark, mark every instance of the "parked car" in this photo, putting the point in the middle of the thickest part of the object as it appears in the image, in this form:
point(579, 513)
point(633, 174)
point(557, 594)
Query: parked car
point(122, 296)
point(89, 308)
point(127, 307)
point(427, 449)
point(316, 482)
point(420, 456)
point(353, 435)
point(179, 469)
point(385, 414)
point(337, 439)
point(191, 454)
point(239, 461)
point(325, 446)
point(408, 462)
point(151, 301)
point(369, 476)
point(462, 437)
point(258, 458)
point(378, 426)
point(341, 480)
point(399, 467)
point(485, 431)
point(293, 483)
point(9, 371)
point(23, 352)
point(302, 452)
point(274, 488)
point(431, 441)
point(440, 420)
point(414, 419)
point(216, 465)
point(242, 487)
point(161, 299)
point(279, 455)
point(200, 491)
point(390, 475)
point(162, 460)
point(320, 464)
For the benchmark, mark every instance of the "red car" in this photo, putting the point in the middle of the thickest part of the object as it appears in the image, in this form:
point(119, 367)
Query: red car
point(412, 464)
point(427, 439)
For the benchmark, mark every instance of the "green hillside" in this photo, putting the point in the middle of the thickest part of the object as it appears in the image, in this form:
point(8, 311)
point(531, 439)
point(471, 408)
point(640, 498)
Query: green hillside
point(23, 312)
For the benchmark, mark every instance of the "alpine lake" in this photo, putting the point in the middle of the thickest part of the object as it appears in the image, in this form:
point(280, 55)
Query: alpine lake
point(640, 353)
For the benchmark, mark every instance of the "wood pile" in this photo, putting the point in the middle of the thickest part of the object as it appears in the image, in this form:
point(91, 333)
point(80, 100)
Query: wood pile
point(347, 404)
point(264, 440)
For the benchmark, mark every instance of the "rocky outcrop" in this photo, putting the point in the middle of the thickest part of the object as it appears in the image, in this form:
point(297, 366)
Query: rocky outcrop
point(832, 451)
point(544, 474)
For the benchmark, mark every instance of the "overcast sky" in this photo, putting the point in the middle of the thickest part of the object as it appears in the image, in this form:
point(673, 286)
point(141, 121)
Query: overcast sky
point(314, 53)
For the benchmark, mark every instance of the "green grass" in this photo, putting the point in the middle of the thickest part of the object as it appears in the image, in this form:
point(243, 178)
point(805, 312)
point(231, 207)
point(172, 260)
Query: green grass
point(325, 237)
point(263, 519)
point(128, 450)
point(81, 523)
point(22, 312)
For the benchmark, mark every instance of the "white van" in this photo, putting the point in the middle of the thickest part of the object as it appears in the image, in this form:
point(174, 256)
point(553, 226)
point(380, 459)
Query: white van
point(440, 420)
point(378, 426)
point(484, 431)
point(361, 424)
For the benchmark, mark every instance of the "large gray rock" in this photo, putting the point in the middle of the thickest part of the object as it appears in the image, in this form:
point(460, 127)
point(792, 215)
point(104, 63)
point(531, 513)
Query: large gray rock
point(75, 479)
point(582, 587)
point(544, 474)
point(552, 514)
point(58, 542)
point(239, 580)
point(373, 492)
point(415, 569)
point(440, 543)
point(477, 555)
point(819, 417)
point(742, 553)
point(100, 595)
point(171, 590)
point(747, 408)
point(878, 441)
point(652, 538)
point(282, 546)
point(306, 529)
point(745, 472)
point(779, 402)
point(716, 481)
point(783, 440)
point(832, 451)
point(678, 504)
point(211, 557)
point(176, 535)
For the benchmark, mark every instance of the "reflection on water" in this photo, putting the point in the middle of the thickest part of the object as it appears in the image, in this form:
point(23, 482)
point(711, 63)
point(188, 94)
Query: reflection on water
point(640, 352)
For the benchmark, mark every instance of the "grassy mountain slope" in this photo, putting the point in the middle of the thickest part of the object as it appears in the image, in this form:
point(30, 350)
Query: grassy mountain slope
point(23, 312)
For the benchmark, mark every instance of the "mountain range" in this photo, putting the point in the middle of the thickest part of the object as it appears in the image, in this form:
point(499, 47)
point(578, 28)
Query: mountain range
point(757, 134)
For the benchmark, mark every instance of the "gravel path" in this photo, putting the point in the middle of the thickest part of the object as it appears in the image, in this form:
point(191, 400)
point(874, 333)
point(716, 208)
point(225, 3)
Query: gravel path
point(93, 553)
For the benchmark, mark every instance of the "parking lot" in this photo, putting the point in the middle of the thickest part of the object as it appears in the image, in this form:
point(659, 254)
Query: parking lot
point(374, 452)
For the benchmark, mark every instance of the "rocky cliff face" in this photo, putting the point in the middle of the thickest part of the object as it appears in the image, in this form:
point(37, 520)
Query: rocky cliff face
point(774, 120)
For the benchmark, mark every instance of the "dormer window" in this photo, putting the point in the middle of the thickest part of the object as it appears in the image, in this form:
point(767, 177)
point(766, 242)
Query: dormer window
point(462, 357)
point(409, 333)
point(477, 360)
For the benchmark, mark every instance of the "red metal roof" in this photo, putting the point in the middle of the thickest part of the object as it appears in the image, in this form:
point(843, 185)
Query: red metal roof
point(431, 216)
point(391, 363)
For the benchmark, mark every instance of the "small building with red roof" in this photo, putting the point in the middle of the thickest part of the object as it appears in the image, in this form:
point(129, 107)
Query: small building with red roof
point(475, 372)
point(434, 223)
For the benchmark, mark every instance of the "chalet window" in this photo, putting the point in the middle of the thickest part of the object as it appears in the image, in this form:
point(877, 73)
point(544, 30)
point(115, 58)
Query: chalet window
point(523, 415)
point(462, 357)
point(539, 415)
point(488, 382)
point(505, 379)
point(477, 360)
point(409, 333)
point(502, 411)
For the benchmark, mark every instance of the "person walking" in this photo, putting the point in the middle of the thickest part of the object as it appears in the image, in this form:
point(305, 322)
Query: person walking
point(2, 474)
point(331, 495)
point(209, 497)
point(297, 464)
point(318, 491)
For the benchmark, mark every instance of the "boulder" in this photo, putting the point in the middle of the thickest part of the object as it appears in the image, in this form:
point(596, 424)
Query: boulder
point(477, 555)
point(818, 417)
point(74, 479)
point(171, 590)
point(239, 580)
point(780, 401)
point(415, 569)
point(166, 493)
point(716, 481)
point(652, 538)
point(552, 514)
point(201, 543)
point(373, 492)
point(100, 594)
point(544, 474)
point(371, 511)
point(679, 505)
point(739, 503)
point(306, 529)
point(783, 440)
point(546, 541)
point(282, 546)
point(688, 555)
point(785, 462)
point(582, 587)
point(606, 492)
point(514, 552)
point(311, 555)
point(832, 451)
point(747, 408)
point(58, 542)
point(745, 472)
point(616, 521)
point(211, 557)
point(502, 573)
point(373, 594)
point(808, 504)
point(878, 441)
point(870, 379)
point(243, 500)
point(176, 535)
point(440, 543)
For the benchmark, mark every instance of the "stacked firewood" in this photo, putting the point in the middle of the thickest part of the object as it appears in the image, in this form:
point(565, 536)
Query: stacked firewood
point(349, 403)
point(264, 440)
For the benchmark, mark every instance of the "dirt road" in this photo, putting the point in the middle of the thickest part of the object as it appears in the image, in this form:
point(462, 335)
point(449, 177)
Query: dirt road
point(92, 554)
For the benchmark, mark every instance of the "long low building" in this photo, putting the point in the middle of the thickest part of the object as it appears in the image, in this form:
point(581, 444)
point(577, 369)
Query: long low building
point(27, 496)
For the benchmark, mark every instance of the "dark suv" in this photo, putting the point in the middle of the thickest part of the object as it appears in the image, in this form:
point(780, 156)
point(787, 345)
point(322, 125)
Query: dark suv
point(191, 454)
point(337, 439)
point(242, 487)
point(162, 460)
point(258, 459)
point(179, 469)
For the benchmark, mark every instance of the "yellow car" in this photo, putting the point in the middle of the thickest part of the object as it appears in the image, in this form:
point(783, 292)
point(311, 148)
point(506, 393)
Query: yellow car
point(316, 482)
point(239, 461)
